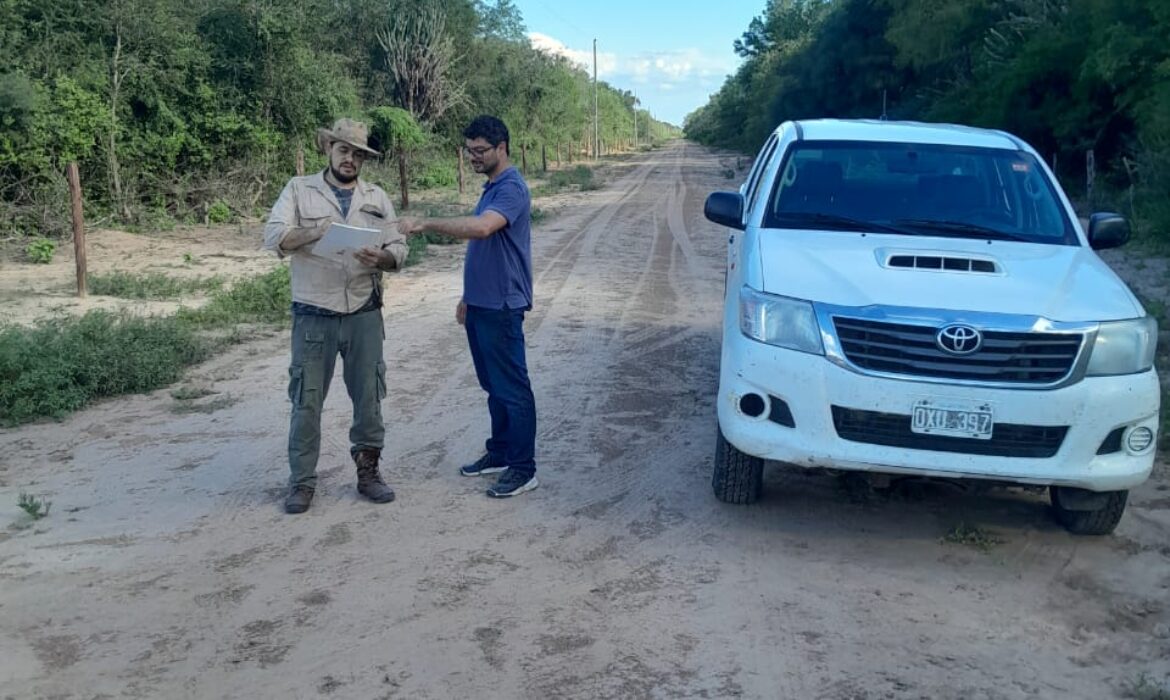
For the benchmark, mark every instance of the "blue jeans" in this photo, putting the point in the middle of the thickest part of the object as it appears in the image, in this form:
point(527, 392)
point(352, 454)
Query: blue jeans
point(496, 339)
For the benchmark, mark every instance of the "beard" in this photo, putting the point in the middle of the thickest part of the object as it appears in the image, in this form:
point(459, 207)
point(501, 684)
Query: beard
point(341, 177)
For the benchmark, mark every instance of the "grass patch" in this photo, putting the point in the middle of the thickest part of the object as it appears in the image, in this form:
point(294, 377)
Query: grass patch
point(190, 393)
point(580, 178)
point(266, 298)
point(186, 407)
point(537, 215)
point(154, 285)
point(61, 365)
point(1145, 688)
point(33, 507)
point(972, 536)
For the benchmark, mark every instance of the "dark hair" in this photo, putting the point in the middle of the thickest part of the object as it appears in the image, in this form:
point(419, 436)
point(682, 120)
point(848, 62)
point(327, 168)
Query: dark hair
point(490, 129)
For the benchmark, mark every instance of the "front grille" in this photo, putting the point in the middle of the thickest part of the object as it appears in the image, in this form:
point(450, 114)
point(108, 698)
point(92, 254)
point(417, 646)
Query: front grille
point(893, 430)
point(1011, 358)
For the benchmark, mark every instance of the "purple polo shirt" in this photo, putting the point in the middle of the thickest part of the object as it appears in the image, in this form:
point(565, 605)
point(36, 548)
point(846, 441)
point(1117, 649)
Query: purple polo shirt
point(497, 272)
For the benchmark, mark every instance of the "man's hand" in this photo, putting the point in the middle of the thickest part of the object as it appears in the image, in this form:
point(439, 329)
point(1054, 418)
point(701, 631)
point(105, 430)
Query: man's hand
point(303, 236)
point(461, 313)
point(410, 225)
point(376, 257)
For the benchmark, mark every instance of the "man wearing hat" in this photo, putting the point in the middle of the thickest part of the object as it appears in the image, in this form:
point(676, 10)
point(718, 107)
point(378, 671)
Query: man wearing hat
point(337, 308)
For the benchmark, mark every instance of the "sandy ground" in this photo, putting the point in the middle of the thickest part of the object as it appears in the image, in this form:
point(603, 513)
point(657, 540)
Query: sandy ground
point(30, 292)
point(168, 570)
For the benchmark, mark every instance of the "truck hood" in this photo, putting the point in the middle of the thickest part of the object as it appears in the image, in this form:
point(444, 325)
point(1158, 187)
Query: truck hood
point(1057, 282)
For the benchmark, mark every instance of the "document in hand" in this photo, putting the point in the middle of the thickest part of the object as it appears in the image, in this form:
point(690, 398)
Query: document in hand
point(340, 240)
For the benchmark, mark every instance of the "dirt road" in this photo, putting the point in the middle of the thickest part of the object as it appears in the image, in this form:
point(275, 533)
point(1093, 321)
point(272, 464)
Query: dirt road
point(167, 569)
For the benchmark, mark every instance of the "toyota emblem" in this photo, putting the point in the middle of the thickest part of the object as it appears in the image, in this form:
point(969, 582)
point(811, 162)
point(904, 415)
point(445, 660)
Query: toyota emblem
point(958, 339)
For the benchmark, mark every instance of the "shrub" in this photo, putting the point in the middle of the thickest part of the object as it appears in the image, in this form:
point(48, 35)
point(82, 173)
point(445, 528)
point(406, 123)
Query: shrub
point(219, 213)
point(40, 251)
point(263, 299)
point(60, 365)
point(436, 174)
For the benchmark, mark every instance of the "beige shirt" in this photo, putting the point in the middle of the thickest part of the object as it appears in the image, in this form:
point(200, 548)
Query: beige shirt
point(340, 285)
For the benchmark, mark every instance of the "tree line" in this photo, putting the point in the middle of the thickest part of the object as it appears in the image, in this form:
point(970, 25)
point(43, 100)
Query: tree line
point(1069, 76)
point(175, 109)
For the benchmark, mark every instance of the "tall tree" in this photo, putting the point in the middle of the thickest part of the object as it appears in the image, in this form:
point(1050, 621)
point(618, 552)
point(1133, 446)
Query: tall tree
point(421, 57)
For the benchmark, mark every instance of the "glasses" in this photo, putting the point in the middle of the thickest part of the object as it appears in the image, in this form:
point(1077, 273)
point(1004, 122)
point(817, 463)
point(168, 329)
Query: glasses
point(478, 152)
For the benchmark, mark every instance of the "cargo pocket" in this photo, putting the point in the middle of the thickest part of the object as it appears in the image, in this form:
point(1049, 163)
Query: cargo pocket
point(296, 385)
point(381, 379)
point(314, 345)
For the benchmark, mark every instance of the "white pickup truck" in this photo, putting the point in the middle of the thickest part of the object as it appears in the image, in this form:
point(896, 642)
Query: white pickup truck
point(921, 299)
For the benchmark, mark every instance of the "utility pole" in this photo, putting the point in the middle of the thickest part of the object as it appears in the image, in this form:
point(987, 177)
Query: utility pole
point(596, 125)
point(635, 121)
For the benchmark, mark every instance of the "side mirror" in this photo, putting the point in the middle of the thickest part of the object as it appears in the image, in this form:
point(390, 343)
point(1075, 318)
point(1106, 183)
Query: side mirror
point(725, 208)
point(1107, 230)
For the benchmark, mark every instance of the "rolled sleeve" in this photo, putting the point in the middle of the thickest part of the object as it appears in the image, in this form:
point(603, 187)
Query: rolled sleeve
point(392, 240)
point(281, 220)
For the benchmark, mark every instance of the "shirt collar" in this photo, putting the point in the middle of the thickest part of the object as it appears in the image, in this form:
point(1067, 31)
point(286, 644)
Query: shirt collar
point(509, 173)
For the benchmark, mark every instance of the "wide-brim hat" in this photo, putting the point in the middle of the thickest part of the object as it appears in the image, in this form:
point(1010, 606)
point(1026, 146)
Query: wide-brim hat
point(349, 131)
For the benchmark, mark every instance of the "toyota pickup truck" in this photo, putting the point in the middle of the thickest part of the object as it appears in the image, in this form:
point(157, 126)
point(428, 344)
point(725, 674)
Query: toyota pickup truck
point(922, 300)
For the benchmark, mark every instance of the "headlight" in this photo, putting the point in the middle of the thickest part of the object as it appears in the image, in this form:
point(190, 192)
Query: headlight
point(1124, 347)
point(787, 323)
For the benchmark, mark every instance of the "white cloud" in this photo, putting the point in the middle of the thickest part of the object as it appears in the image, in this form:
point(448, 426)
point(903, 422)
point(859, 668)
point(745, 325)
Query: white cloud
point(676, 68)
point(666, 69)
point(669, 83)
point(606, 62)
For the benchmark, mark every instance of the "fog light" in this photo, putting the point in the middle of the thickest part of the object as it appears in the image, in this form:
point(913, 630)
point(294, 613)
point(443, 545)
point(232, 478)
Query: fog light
point(1139, 439)
point(752, 405)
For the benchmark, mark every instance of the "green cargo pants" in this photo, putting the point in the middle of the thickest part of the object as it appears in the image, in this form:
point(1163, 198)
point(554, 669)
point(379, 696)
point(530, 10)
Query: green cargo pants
point(316, 343)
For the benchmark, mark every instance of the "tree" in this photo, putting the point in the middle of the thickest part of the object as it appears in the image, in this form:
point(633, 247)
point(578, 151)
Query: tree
point(420, 57)
point(398, 134)
point(500, 20)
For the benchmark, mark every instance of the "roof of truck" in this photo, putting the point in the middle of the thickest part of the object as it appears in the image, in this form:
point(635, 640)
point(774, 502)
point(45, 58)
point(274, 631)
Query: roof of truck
point(904, 132)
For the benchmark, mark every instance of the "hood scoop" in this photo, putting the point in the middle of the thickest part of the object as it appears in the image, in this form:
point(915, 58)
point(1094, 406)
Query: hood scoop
point(940, 262)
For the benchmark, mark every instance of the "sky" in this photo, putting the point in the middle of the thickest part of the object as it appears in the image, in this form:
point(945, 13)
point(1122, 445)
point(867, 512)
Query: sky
point(672, 55)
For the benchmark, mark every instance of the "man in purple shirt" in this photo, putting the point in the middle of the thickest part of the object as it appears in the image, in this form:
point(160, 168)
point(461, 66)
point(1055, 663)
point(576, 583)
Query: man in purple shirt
point(497, 292)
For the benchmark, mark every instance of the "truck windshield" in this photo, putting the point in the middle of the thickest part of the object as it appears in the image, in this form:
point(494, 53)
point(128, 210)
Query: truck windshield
point(919, 189)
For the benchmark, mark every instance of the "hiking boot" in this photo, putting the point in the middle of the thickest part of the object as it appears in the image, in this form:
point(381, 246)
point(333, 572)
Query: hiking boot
point(370, 482)
point(513, 483)
point(298, 499)
point(481, 466)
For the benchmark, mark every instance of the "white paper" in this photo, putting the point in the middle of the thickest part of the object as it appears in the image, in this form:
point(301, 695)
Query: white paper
point(341, 240)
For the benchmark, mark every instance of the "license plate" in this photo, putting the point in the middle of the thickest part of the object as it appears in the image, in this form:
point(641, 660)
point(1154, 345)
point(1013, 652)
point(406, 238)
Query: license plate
point(967, 419)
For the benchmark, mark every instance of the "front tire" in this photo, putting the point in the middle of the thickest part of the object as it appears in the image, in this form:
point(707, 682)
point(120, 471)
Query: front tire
point(737, 477)
point(1100, 520)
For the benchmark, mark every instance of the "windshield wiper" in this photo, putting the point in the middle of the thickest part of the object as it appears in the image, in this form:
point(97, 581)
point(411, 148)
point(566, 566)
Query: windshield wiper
point(961, 228)
point(836, 222)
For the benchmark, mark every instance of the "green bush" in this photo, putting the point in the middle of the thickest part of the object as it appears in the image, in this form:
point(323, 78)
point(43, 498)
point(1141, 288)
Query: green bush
point(40, 251)
point(60, 365)
point(263, 299)
point(435, 174)
point(219, 213)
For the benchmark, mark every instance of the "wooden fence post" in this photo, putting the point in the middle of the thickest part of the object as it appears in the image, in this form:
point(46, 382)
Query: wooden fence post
point(459, 157)
point(74, 177)
point(300, 160)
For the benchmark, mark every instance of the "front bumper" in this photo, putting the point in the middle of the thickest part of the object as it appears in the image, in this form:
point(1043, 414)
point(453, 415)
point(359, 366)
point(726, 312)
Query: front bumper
point(811, 386)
